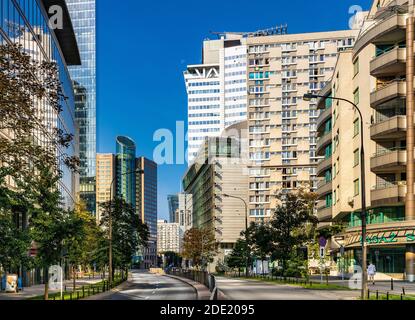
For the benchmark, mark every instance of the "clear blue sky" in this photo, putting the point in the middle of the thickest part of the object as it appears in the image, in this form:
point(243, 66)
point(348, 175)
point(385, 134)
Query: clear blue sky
point(144, 46)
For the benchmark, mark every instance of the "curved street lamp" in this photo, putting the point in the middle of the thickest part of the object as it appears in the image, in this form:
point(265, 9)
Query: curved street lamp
point(308, 97)
point(246, 231)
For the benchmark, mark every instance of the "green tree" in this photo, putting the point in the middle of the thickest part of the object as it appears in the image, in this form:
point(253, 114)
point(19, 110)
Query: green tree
point(199, 246)
point(84, 237)
point(293, 225)
point(50, 225)
point(129, 233)
point(238, 257)
point(261, 239)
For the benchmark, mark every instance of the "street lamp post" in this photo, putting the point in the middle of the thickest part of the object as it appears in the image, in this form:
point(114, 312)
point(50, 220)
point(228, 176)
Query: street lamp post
point(308, 97)
point(110, 225)
point(246, 232)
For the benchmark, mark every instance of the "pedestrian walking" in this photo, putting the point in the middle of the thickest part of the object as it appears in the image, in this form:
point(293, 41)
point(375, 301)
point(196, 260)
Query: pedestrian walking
point(371, 272)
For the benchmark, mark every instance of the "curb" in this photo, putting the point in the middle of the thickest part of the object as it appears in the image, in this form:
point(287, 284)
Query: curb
point(202, 293)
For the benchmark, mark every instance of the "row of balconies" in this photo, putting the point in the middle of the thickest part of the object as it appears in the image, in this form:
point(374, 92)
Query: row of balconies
point(381, 195)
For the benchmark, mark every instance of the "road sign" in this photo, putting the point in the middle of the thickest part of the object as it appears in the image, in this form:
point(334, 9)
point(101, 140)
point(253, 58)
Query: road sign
point(322, 252)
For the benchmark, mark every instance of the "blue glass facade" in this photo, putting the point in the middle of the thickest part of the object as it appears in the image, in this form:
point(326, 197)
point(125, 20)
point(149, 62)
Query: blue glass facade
point(146, 198)
point(125, 159)
point(173, 201)
point(83, 14)
point(26, 22)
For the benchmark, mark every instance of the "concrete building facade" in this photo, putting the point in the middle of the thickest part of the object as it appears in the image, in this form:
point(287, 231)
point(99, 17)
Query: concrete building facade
point(218, 171)
point(106, 173)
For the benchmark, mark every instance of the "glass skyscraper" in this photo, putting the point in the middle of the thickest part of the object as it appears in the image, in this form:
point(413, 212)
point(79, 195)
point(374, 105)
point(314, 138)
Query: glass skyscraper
point(173, 201)
point(125, 163)
point(83, 14)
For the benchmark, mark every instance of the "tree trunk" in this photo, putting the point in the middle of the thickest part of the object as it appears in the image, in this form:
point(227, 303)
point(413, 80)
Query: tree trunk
point(46, 295)
point(74, 278)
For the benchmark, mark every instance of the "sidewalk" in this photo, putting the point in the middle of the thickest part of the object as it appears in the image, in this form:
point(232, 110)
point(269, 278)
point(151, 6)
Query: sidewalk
point(382, 286)
point(38, 290)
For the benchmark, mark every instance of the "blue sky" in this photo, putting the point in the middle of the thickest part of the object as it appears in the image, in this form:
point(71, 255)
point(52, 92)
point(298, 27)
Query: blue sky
point(144, 46)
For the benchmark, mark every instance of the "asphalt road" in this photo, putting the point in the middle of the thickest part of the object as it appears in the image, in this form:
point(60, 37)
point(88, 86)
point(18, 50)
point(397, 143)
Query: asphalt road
point(146, 286)
point(236, 289)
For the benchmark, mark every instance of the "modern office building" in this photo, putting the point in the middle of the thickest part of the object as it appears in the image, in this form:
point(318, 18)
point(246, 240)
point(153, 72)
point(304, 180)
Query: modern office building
point(146, 206)
point(217, 92)
point(126, 167)
point(282, 126)
point(173, 201)
point(218, 170)
point(19, 26)
point(376, 76)
point(83, 14)
point(59, 46)
point(106, 183)
point(169, 236)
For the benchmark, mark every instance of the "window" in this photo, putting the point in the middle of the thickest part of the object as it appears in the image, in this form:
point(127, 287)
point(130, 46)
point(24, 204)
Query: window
point(329, 200)
point(356, 127)
point(356, 67)
point(356, 95)
point(334, 197)
point(356, 187)
point(356, 157)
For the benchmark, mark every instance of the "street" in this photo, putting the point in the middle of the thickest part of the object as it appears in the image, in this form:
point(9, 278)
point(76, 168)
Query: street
point(237, 289)
point(145, 286)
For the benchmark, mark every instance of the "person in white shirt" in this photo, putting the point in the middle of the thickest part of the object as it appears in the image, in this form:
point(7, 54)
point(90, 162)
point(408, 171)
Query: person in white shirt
point(371, 272)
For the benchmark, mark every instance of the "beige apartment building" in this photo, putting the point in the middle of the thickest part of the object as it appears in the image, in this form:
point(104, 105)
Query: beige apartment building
point(374, 76)
point(282, 126)
point(105, 165)
point(169, 237)
point(218, 184)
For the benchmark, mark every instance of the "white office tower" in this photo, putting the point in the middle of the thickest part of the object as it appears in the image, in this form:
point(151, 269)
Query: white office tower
point(217, 90)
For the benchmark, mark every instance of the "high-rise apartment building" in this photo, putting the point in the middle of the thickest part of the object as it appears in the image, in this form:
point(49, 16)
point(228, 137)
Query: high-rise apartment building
point(146, 206)
point(83, 14)
point(106, 174)
point(169, 236)
point(375, 76)
point(217, 91)
point(282, 126)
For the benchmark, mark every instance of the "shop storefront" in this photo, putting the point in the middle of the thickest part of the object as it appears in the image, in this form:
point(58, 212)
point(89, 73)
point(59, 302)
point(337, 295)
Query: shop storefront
point(386, 247)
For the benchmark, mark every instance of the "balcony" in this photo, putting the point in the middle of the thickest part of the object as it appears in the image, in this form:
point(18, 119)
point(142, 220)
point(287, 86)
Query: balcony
point(389, 161)
point(323, 117)
point(390, 63)
point(323, 166)
point(389, 194)
point(324, 213)
point(391, 129)
point(388, 30)
point(324, 188)
point(388, 91)
point(323, 142)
